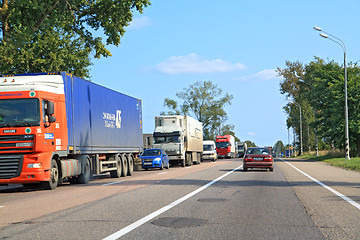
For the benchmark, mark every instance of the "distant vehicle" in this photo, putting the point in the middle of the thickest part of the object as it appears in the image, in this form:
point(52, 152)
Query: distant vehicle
point(181, 137)
point(209, 150)
point(225, 146)
point(154, 158)
point(257, 157)
point(241, 149)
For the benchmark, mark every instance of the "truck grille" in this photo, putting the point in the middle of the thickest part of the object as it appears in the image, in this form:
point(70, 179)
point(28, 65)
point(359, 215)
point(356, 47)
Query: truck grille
point(16, 143)
point(10, 166)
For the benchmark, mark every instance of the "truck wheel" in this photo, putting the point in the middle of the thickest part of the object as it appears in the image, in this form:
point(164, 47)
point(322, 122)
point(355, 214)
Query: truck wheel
point(84, 177)
point(54, 177)
point(130, 165)
point(117, 173)
point(124, 166)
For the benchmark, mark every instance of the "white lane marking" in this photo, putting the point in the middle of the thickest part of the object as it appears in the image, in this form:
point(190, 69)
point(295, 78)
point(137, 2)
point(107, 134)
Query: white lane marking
point(147, 218)
point(162, 173)
point(107, 184)
point(1, 206)
point(349, 200)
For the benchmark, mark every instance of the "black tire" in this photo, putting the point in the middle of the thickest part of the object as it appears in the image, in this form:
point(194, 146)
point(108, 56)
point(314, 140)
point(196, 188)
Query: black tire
point(124, 166)
point(162, 165)
point(271, 169)
point(130, 165)
point(85, 176)
point(117, 173)
point(168, 166)
point(73, 180)
point(54, 177)
point(245, 169)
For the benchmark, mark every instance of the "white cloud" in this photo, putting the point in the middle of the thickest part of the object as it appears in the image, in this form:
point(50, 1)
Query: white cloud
point(192, 63)
point(140, 22)
point(264, 75)
point(251, 134)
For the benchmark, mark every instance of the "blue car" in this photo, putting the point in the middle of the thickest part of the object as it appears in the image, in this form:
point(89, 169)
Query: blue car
point(154, 158)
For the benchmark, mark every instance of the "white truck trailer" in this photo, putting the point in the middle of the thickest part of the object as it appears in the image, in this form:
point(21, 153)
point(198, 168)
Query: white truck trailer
point(181, 137)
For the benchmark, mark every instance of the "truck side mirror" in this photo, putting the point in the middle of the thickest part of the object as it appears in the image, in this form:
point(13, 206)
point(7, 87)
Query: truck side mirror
point(50, 108)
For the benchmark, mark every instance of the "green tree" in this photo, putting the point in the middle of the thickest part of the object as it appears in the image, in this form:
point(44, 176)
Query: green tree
point(327, 97)
point(61, 35)
point(295, 90)
point(207, 103)
point(279, 148)
point(250, 143)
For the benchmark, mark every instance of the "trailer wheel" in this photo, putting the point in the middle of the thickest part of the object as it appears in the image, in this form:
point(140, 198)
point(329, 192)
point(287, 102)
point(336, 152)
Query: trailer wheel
point(54, 177)
point(124, 166)
point(130, 165)
point(117, 173)
point(84, 177)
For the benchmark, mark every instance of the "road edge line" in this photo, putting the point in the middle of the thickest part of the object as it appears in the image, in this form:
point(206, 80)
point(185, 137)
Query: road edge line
point(347, 199)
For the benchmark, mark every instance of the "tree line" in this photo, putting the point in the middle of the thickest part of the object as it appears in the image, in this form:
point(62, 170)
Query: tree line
point(318, 87)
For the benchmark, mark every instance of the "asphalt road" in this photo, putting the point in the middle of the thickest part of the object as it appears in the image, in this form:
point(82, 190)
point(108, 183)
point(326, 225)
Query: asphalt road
point(208, 201)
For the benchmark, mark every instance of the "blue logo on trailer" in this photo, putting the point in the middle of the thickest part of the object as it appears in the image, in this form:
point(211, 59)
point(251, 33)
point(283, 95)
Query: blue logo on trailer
point(49, 136)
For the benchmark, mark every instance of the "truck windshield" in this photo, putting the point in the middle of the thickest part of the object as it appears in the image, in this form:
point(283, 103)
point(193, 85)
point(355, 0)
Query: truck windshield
point(222, 144)
point(208, 148)
point(19, 112)
point(167, 139)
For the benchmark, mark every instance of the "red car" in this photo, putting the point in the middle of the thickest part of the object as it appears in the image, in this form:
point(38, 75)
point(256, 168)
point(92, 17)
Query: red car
point(257, 157)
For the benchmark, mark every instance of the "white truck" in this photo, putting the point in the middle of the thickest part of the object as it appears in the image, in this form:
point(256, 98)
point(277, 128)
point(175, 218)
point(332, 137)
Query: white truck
point(181, 137)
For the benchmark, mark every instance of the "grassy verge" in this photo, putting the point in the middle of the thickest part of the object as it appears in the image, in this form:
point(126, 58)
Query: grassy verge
point(352, 164)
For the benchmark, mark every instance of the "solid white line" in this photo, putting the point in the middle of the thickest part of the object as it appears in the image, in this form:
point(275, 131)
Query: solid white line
point(107, 184)
point(349, 200)
point(162, 173)
point(147, 218)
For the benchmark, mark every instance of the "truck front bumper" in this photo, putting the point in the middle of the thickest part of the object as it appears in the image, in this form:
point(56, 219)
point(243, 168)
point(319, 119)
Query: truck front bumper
point(24, 168)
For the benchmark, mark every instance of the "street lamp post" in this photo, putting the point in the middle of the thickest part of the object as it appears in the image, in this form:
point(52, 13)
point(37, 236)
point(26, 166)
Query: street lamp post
point(301, 145)
point(342, 44)
point(316, 138)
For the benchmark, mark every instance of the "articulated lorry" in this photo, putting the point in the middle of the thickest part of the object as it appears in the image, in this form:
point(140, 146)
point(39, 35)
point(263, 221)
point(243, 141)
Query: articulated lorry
point(57, 126)
point(181, 137)
point(225, 146)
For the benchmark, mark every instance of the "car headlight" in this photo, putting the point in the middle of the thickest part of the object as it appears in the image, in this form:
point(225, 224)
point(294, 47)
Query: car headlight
point(157, 159)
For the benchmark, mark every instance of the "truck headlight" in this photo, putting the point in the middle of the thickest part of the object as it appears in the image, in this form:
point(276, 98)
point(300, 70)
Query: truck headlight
point(24, 144)
point(34, 165)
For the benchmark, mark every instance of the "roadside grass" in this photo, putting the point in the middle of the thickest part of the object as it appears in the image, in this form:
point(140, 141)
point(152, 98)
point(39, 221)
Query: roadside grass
point(352, 164)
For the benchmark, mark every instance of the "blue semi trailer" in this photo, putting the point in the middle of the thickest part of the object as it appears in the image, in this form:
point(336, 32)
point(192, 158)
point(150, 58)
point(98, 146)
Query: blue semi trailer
point(57, 126)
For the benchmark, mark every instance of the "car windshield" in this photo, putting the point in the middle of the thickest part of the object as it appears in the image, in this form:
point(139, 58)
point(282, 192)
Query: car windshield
point(19, 112)
point(151, 152)
point(222, 144)
point(258, 151)
point(208, 148)
point(167, 139)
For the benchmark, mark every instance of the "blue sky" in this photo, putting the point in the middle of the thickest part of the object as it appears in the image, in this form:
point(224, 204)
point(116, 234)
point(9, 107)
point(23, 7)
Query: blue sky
point(236, 45)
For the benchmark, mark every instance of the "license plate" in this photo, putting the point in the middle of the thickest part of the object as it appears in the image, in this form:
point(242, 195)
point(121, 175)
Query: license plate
point(258, 159)
point(147, 163)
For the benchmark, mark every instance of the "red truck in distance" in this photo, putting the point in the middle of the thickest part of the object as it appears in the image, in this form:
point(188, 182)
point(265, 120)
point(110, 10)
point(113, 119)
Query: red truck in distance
point(225, 146)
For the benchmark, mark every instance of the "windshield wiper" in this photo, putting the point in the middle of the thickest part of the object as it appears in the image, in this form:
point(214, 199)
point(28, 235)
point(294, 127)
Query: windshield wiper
point(6, 124)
